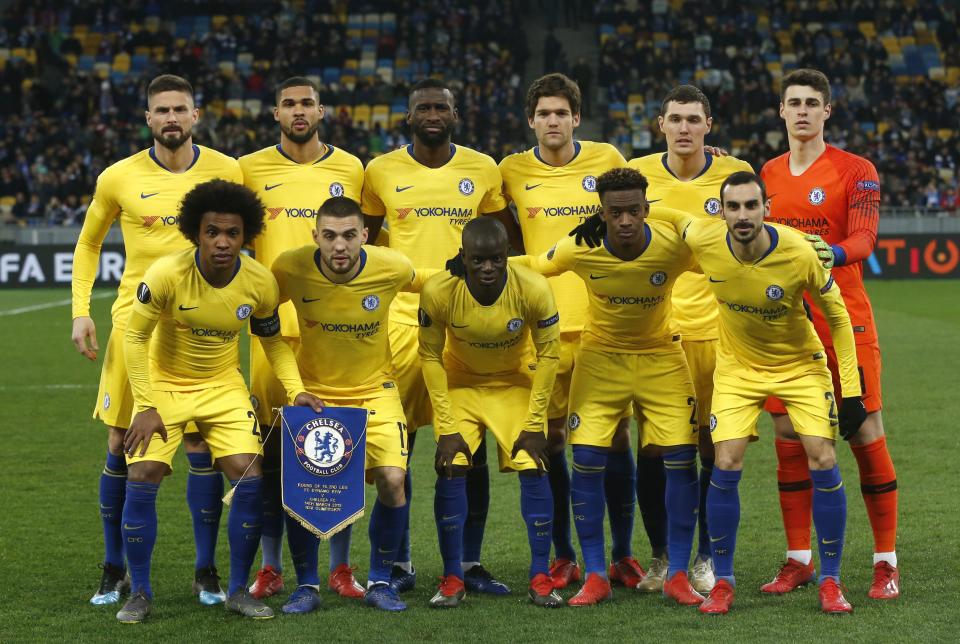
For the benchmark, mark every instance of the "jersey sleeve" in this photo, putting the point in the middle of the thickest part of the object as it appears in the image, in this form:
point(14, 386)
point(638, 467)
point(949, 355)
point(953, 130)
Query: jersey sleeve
point(545, 331)
point(556, 261)
point(433, 335)
point(101, 214)
point(677, 218)
point(265, 324)
point(826, 295)
point(357, 179)
point(504, 167)
point(492, 200)
point(281, 271)
point(152, 297)
point(863, 214)
point(370, 202)
point(234, 172)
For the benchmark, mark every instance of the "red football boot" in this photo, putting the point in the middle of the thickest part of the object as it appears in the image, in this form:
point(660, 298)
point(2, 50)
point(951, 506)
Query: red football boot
point(886, 582)
point(595, 590)
point(563, 572)
point(678, 588)
point(832, 600)
point(720, 599)
point(791, 576)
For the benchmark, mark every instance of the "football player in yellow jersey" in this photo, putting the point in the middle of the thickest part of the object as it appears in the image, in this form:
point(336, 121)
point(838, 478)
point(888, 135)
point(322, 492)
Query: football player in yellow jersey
point(292, 179)
point(767, 347)
point(143, 192)
point(629, 332)
point(553, 186)
point(688, 178)
point(342, 292)
point(426, 193)
point(182, 352)
point(474, 343)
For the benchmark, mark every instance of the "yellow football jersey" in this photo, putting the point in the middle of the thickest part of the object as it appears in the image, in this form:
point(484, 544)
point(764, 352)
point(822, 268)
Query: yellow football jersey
point(427, 208)
point(489, 345)
point(550, 202)
point(196, 342)
point(628, 302)
point(763, 322)
point(694, 307)
point(293, 193)
point(344, 349)
point(145, 197)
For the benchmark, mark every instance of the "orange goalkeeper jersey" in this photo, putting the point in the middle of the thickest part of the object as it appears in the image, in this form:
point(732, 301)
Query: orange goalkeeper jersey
point(838, 198)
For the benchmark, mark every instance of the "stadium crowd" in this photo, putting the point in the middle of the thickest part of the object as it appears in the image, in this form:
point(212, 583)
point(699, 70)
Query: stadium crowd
point(61, 125)
point(64, 121)
point(895, 97)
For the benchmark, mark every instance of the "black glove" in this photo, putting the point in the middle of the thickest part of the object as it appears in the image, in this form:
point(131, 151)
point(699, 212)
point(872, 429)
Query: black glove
point(852, 414)
point(456, 267)
point(591, 231)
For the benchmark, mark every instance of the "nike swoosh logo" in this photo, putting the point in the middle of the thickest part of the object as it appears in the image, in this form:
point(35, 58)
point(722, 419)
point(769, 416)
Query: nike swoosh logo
point(266, 187)
point(581, 503)
point(448, 518)
point(716, 539)
point(541, 523)
point(129, 527)
point(147, 196)
point(597, 277)
point(187, 308)
point(307, 300)
point(399, 189)
point(206, 511)
point(827, 542)
point(106, 507)
point(529, 187)
point(250, 526)
point(384, 552)
point(716, 281)
point(459, 326)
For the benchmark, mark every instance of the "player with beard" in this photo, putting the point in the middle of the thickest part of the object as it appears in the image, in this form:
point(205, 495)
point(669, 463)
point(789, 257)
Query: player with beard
point(292, 179)
point(427, 192)
point(142, 192)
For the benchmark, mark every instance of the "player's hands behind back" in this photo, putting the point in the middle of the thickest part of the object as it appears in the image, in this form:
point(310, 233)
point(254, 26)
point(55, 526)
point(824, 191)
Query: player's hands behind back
point(448, 446)
point(534, 444)
point(144, 425)
point(851, 416)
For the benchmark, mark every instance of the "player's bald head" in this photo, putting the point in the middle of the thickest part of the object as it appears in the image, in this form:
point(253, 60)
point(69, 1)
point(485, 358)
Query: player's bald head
point(485, 232)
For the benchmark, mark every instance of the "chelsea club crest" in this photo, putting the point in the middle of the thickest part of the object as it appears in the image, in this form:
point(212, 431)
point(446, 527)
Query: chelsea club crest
point(370, 303)
point(244, 311)
point(514, 325)
point(774, 292)
point(324, 446)
point(466, 186)
point(336, 189)
point(817, 196)
point(711, 206)
point(589, 183)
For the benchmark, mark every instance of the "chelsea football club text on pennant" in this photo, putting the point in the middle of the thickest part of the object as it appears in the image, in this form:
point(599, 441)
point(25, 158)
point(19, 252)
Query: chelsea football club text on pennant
point(323, 467)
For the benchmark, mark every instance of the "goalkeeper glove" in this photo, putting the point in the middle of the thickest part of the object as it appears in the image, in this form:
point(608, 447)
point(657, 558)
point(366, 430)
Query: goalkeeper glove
point(591, 231)
point(824, 250)
point(852, 414)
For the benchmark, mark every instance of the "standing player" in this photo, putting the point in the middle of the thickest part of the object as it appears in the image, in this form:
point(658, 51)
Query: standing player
point(342, 292)
point(427, 192)
point(825, 191)
point(292, 179)
point(630, 358)
point(758, 273)
point(198, 300)
point(486, 321)
point(143, 192)
point(686, 178)
point(554, 187)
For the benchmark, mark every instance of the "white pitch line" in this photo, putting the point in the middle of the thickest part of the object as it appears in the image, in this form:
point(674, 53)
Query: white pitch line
point(47, 386)
point(49, 305)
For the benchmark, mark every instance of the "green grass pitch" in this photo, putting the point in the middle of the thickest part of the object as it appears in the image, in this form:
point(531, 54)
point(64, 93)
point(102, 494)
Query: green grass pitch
point(50, 535)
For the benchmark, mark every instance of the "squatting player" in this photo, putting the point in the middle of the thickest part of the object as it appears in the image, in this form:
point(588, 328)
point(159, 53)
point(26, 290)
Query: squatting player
point(198, 300)
point(292, 179)
point(553, 186)
point(758, 273)
point(686, 178)
point(342, 292)
point(825, 191)
point(630, 357)
point(427, 192)
point(143, 192)
point(474, 346)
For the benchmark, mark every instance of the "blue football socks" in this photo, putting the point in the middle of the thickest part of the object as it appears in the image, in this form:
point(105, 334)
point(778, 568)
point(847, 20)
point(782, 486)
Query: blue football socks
point(304, 551)
point(619, 484)
point(651, 491)
point(682, 496)
point(478, 503)
point(271, 540)
point(559, 474)
point(450, 512)
point(340, 548)
point(140, 532)
point(829, 518)
point(385, 528)
point(536, 507)
point(586, 494)
point(244, 526)
point(723, 515)
point(113, 491)
point(706, 471)
point(204, 498)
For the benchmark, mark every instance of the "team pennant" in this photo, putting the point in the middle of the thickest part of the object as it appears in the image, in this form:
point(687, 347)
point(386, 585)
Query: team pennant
point(323, 467)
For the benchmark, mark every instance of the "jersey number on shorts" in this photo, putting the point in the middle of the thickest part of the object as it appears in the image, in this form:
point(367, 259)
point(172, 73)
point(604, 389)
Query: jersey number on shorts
point(256, 426)
point(403, 430)
point(834, 419)
point(693, 412)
